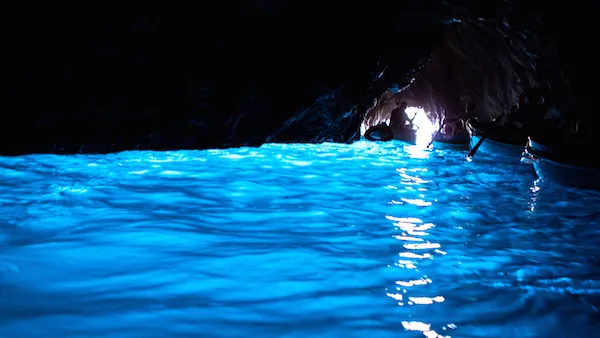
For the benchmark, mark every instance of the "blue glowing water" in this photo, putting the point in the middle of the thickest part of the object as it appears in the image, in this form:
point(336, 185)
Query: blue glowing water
point(363, 240)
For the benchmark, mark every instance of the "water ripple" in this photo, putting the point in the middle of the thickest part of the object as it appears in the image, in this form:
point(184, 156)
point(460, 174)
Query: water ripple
point(294, 240)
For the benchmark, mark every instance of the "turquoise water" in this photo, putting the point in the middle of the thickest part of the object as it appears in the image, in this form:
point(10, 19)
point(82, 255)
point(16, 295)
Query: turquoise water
point(363, 240)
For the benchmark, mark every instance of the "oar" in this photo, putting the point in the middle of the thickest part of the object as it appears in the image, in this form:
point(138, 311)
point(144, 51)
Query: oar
point(437, 133)
point(476, 147)
point(411, 120)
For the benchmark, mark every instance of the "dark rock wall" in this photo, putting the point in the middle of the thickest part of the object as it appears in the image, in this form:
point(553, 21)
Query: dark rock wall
point(489, 60)
point(143, 75)
point(476, 61)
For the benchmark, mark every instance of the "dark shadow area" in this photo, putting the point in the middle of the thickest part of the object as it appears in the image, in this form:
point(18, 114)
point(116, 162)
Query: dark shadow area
point(195, 75)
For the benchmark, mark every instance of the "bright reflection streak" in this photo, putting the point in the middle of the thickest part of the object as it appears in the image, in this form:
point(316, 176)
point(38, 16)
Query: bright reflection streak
point(417, 249)
point(422, 281)
point(418, 151)
point(417, 202)
point(423, 327)
point(406, 238)
point(414, 255)
point(426, 300)
point(534, 195)
point(404, 219)
point(422, 246)
point(405, 264)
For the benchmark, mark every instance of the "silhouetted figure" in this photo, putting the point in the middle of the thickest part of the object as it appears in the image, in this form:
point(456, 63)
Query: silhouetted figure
point(456, 125)
point(529, 112)
point(470, 110)
point(399, 117)
point(519, 116)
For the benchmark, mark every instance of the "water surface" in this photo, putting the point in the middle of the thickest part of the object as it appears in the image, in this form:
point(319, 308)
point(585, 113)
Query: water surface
point(362, 240)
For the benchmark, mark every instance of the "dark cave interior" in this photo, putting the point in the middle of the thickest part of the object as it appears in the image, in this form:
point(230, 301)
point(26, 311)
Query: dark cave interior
point(195, 75)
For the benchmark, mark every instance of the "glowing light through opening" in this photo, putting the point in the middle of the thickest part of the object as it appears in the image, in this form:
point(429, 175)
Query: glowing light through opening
point(424, 126)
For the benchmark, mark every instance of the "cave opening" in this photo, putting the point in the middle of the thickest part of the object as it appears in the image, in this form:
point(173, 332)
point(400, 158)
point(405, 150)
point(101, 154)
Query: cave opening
point(476, 62)
point(420, 119)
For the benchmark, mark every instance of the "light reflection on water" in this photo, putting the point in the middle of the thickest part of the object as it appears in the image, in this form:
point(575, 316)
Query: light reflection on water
point(293, 240)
